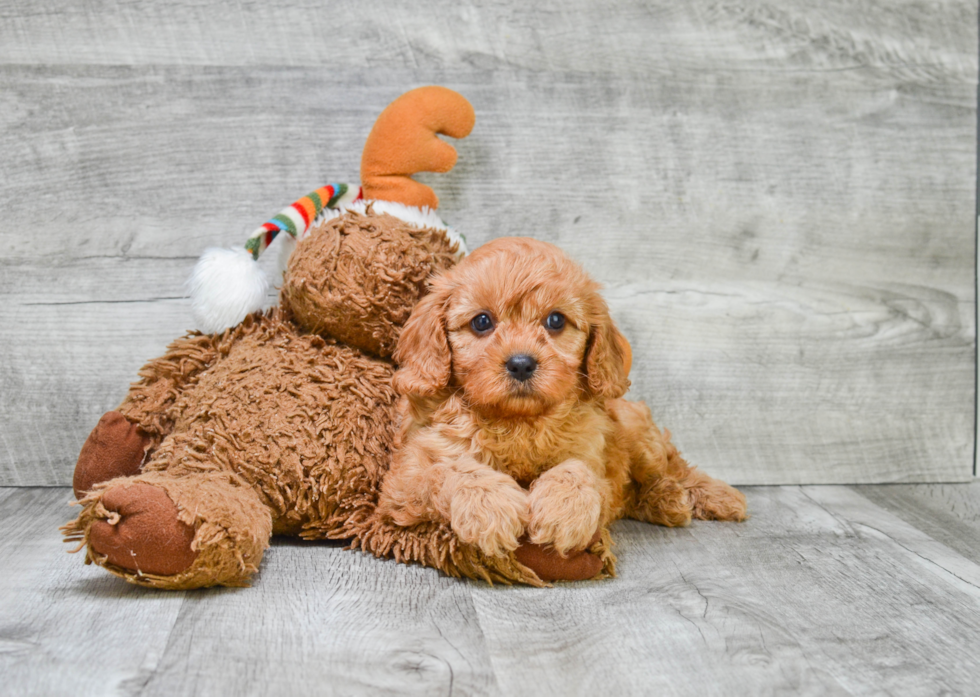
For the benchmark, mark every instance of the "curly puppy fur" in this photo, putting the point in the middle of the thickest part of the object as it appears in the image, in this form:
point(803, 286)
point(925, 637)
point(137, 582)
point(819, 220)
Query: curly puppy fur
point(282, 424)
point(554, 456)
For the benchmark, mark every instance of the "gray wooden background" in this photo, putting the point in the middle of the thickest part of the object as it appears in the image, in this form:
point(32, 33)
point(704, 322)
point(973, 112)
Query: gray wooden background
point(780, 198)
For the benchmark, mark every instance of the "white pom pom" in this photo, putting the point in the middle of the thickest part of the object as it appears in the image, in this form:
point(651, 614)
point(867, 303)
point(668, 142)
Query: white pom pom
point(226, 286)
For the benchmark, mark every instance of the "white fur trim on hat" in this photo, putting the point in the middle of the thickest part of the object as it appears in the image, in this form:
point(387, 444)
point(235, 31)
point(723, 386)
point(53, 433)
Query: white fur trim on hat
point(423, 217)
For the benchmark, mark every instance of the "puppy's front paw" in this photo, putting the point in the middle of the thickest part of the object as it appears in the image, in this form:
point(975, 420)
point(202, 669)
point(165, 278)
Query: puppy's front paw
point(565, 507)
point(490, 515)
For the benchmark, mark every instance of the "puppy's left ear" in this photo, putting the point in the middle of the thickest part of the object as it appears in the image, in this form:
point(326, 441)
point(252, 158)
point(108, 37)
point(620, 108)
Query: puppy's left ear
point(608, 359)
point(422, 354)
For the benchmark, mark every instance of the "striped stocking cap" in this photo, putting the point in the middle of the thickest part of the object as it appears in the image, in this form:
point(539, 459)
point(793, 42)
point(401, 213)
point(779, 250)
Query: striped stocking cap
point(228, 284)
point(298, 218)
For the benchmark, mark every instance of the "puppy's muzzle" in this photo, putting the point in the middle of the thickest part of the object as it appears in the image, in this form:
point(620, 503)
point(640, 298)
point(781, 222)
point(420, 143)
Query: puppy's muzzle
point(521, 367)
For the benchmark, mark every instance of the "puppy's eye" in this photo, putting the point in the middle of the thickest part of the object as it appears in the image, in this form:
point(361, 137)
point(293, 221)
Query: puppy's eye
point(482, 323)
point(555, 321)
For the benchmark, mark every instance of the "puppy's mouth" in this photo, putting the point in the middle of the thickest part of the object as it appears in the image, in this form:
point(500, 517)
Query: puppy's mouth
point(520, 401)
point(524, 397)
point(509, 398)
point(521, 389)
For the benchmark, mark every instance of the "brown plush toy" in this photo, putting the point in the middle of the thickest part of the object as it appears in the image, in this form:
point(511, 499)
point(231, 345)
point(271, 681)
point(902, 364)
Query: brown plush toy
point(281, 422)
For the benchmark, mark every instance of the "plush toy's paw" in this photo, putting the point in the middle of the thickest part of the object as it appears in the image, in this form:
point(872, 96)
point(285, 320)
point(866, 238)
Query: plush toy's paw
point(493, 519)
point(114, 448)
point(565, 506)
point(549, 565)
point(142, 532)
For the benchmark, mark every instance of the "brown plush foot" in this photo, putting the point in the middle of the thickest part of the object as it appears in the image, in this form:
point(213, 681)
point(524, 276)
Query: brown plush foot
point(114, 448)
point(551, 566)
point(145, 535)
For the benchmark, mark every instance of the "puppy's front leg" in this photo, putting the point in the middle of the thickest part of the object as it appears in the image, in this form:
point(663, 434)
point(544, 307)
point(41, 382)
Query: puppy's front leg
point(566, 506)
point(484, 507)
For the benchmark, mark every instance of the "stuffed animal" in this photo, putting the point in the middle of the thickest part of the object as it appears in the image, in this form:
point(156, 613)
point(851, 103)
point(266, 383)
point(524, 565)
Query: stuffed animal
point(281, 422)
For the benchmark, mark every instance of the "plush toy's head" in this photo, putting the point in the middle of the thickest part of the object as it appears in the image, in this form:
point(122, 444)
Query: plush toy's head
point(357, 276)
point(362, 267)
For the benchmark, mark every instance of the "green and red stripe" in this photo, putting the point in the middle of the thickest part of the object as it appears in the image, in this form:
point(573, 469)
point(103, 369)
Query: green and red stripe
point(297, 218)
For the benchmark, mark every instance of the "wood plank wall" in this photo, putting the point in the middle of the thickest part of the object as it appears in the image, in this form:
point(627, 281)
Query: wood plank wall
point(778, 196)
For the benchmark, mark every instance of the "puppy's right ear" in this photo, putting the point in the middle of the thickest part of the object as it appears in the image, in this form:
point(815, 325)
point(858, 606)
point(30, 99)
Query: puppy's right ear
point(423, 357)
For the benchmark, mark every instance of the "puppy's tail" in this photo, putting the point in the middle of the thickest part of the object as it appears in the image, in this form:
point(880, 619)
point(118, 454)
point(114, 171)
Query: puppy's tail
point(404, 141)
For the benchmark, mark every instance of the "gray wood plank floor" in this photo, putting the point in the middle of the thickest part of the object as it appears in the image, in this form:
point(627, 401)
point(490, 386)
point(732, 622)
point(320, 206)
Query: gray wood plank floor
point(825, 590)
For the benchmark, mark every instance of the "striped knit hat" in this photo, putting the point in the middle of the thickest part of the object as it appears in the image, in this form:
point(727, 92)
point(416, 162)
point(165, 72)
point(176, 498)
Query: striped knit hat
point(227, 284)
point(298, 218)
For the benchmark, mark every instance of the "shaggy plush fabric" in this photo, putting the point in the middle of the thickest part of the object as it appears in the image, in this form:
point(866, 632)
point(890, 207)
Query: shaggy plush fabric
point(231, 529)
point(263, 429)
point(279, 425)
point(360, 276)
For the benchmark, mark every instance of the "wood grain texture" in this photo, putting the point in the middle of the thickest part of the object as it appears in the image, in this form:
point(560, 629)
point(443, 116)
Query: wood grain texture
point(780, 199)
point(949, 513)
point(636, 36)
point(68, 629)
point(322, 620)
point(318, 620)
point(820, 592)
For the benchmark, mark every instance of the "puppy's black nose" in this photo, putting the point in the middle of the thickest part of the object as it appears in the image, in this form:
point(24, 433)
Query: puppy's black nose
point(521, 366)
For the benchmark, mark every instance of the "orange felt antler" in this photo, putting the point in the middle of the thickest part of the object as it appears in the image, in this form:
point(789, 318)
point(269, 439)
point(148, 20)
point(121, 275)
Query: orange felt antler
point(404, 141)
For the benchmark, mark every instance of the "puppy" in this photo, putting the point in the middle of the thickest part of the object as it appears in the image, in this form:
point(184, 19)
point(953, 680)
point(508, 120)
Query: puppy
point(511, 418)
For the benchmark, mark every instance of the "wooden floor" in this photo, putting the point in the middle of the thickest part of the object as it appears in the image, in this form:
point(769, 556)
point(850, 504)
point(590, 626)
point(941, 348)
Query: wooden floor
point(826, 590)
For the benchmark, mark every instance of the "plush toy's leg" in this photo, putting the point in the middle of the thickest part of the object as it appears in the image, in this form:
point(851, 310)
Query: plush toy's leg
point(143, 531)
point(666, 490)
point(114, 448)
point(150, 401)
point(194, 530)
point(549, 565)
point(118, 444)
point(436, 545)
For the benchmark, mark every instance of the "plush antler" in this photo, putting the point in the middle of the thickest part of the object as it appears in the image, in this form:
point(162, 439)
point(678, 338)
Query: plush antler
point(404, 141)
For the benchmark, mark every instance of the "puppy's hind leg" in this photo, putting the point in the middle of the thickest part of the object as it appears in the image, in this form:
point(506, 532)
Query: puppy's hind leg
point(713, 499)
point(666, 490)
point(655, 494)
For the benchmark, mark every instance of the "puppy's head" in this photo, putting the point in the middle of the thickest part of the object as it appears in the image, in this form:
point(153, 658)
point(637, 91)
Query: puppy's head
point(519, 327)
